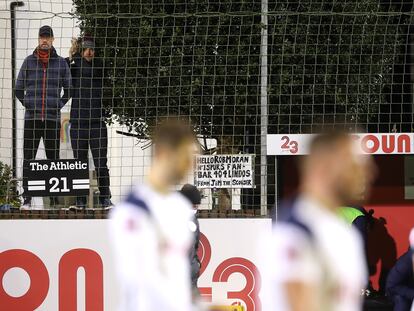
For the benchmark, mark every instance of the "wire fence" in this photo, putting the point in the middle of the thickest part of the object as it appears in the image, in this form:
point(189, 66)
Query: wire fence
point(237, 69)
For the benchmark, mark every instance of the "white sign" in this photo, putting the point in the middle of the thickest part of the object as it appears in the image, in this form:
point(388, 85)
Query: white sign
point(378, 144)
point(67, 264)
point(230, 272)
point(224, 171)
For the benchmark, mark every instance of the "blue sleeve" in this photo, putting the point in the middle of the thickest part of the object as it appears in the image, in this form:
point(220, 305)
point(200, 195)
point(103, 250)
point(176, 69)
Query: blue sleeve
point(399, 278)
point(20, 87)
point(66, 83)
point(75, 74)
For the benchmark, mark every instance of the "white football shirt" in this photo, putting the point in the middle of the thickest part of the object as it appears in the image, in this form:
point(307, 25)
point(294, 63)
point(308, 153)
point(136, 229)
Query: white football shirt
point(151, 237)
point(330, 256)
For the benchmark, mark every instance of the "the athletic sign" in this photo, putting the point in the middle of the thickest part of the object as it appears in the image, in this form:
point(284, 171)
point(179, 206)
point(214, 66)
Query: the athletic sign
point(224, 171)
point(378, 144)
point(57, 177)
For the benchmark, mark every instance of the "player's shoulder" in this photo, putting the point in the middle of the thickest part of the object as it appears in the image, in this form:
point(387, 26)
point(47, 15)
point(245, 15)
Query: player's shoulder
point(292, 224)
point(292, 234)
point(181, 206)
point(139, 198)
point(338, 238)
point(136, 202)
point(323, 222)
point(343, 230)
point(181, 200)
point(352, 236)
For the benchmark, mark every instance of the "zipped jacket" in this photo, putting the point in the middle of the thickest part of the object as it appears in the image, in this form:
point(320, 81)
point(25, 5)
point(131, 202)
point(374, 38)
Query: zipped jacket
point(39, 86)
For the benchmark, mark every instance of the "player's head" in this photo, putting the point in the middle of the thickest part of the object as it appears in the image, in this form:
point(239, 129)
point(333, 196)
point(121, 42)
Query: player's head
point(335, 165)
point(174, 149)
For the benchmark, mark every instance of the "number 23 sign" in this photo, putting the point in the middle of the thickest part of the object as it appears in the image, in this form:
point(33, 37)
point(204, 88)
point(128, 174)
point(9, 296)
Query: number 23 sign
point(288, 144)
point(249, 295)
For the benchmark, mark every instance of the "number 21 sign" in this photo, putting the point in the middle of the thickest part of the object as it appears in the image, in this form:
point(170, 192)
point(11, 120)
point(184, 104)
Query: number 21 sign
point(56, 177)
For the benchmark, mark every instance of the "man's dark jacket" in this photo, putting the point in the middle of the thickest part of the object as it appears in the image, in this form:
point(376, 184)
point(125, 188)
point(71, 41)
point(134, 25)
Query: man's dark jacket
point(87, 83)
point(39, 86)
point(400, 279)
point(194, 260)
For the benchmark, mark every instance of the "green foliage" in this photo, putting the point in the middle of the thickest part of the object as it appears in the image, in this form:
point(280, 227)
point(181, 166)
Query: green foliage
point(329, 61)
point(193, 58)
point(8, 194)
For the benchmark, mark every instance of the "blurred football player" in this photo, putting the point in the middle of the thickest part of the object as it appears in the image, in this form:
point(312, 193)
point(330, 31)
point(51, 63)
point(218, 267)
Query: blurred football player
point(314, 261)
point(150, 228)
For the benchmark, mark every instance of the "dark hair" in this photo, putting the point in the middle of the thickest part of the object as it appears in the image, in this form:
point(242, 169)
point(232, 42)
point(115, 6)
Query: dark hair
point(191, 193)
point(172, 132)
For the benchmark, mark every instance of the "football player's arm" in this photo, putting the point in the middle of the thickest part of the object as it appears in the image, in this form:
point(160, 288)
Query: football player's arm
point(297, 271)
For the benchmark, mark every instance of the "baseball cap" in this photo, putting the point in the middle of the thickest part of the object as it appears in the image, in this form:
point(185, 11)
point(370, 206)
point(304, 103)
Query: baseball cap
point(88, 42)
point(45, 31)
